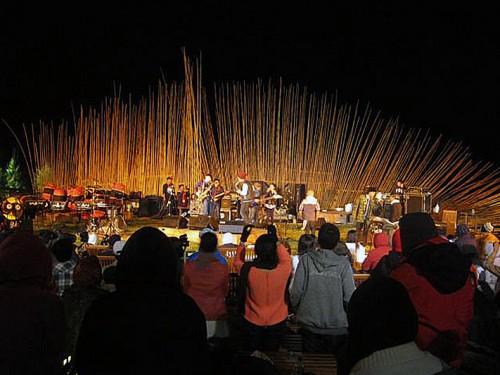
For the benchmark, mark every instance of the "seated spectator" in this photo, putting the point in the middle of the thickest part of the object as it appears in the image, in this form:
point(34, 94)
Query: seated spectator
point(358, 251)
point(263, 288)
point(321, 290)
point(383, 340)
point(78, 297)
point(148, 325)
point(441, 287)
point(66, 260)
point(206, 280)
point(31, 315)
point(381, 248)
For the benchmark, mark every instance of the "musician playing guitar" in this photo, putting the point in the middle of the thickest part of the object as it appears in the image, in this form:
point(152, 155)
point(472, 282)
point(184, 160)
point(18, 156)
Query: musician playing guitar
point(270, 202)
point(202, 191)
point(216, 194)
point(183, 199)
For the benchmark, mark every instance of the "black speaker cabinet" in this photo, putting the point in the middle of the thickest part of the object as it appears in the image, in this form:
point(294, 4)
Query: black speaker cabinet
point(150, 205)
point(202, 221)
point(232, 227)
point(415, 203)
point(171, 221)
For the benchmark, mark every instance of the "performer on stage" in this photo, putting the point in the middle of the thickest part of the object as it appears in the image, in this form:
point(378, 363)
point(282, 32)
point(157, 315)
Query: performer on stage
point(271, 203)
point(202, 191)
point(216, 194)
point(309, 209)
point(246, 196)
point(183, 198)
point(400, 192)
point(363, 211)
point(168, 207)
point(255, 206)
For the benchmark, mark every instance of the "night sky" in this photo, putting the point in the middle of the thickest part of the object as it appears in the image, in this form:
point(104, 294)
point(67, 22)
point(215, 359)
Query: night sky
point(431, 67)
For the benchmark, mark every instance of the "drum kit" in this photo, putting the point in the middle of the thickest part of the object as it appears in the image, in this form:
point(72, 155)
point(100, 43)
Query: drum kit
point(102, 208)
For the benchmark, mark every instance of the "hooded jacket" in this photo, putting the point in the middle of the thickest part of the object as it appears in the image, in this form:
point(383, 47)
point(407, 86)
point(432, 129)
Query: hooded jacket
point(31, 315)
point(321, 290)
point(441, 287)
point(148, 325)
point(381, 248)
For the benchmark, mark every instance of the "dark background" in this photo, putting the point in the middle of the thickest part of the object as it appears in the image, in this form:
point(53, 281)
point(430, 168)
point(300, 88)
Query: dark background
point(432, 66)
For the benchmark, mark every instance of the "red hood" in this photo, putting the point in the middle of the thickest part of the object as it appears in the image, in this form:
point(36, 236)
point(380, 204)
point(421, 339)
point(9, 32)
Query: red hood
point(381, 240)
point(25, 260)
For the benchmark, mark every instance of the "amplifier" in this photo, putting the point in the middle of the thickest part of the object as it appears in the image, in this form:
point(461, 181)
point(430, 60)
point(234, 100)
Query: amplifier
point(202, 221)
point(231, 227)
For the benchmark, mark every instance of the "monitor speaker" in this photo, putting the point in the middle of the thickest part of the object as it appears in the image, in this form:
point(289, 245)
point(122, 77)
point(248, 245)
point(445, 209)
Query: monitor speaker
point(232, 227)
point(171, 221)
point(150, 205)
point(202, 221)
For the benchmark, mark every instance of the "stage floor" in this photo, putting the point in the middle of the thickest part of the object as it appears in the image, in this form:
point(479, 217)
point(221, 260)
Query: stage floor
point(289, 232)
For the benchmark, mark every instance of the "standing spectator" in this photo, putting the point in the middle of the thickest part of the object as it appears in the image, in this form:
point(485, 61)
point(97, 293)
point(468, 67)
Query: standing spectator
point(321, 290)
point(307, 243)
point(381, 249)
point(309, 208)
point(263, 286)
point(66, 260)
point(148, 325)
point(384, 341)
point(438, 279)
point(77, 299)
point(31, 315)
point(206, 280)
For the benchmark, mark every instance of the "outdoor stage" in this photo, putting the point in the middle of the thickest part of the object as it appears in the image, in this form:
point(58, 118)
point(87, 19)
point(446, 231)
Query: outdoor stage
point(290, 232)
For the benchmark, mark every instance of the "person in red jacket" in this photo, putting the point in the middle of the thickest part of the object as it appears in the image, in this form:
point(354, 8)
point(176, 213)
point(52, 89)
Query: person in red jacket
point(381, 248)
point(438, 279)
point(263, 284)
point(206, 280)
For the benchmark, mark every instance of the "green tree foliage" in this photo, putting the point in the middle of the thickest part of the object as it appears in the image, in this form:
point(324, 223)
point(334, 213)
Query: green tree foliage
point(43, 176)
point(13, 175)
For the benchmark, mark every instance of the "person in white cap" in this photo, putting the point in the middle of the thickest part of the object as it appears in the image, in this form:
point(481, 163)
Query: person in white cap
point(488, 246)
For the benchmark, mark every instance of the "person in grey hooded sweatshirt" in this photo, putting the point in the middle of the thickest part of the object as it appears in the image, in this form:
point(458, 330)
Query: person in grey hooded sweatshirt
point(321, 291)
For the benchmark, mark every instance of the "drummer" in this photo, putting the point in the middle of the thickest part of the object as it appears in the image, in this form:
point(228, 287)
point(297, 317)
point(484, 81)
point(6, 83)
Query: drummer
point(271, 202)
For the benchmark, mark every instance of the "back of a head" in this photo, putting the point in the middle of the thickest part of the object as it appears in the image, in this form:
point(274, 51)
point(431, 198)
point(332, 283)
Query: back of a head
point(24, 258)
point(328, 236)
point(415, 229)
point(392, 320)
point(87, 272)
point(462, 230)
point(307, 242)
point(208, 243)
point(352, 236)
point(63, 249)
point(147, 260)
point(265, 250)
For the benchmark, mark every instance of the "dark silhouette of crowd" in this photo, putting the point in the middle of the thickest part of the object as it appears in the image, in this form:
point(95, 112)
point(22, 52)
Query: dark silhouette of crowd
point(429, 305)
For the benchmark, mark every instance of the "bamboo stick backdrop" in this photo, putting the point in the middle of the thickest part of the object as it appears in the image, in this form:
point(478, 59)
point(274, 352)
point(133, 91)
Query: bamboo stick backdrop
point(275, 132)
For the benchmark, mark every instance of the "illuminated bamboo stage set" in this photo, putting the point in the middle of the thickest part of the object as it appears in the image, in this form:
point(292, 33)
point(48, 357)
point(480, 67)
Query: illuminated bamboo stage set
point(275, 132)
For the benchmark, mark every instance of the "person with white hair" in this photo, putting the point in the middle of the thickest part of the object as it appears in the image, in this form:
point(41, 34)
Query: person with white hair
point(309, 208)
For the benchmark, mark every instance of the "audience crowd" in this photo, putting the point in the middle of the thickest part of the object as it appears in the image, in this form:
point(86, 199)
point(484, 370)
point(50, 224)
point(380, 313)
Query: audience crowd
point(429, 305)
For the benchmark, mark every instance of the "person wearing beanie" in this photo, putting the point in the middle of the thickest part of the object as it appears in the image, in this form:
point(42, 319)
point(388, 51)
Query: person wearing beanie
point(322, 288)
point(206, 280)
point(148, 325)
point(383, 342)
point(87, 277)
point(381, 249)
point(441, 286)
point(31, 315)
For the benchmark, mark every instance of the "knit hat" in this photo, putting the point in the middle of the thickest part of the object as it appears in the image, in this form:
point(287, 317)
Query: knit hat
point(118, 247)
point(87, 272)
point(416, 228)
point(462, 230)
point(393, 319)
point(489, 227)
point(206, 230)
point(227, 239)
point(242, 175)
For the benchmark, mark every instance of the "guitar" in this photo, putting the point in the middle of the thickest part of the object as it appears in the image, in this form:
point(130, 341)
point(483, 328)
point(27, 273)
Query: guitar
point(202, 194)
point(217, 196)
point(263, 201)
